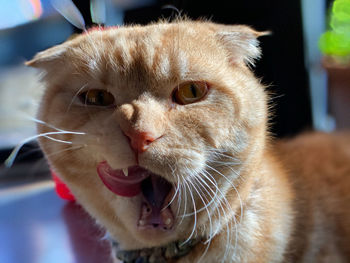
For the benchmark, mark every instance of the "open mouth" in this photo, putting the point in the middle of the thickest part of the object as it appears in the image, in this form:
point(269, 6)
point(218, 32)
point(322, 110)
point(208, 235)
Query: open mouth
point(155, 211)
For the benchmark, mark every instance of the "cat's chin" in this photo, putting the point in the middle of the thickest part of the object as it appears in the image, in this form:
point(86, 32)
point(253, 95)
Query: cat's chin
point(156, 194)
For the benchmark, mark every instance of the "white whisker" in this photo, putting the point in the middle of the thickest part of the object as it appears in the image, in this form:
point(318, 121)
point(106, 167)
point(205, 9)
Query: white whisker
point(75, 95)
point(195, 216)
point(57, 140)
point(209, 216)
point(233, 186)
point(211, 236)
point(9, 161)
point(176, 188)
point(185, 200)
point(44, 123)
point(206, 206)
point(77, 147)
point(234, 219)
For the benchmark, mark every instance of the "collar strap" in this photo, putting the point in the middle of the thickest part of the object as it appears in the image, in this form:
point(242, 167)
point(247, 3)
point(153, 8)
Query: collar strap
point(173, 250)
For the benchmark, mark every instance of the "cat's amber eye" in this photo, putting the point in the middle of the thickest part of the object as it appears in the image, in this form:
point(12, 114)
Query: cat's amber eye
point(190, 92)
point(97, 97)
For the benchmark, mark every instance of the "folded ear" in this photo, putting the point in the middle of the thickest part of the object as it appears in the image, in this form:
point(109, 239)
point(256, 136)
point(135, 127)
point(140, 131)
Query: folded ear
point(48, 57)
point(241, 42)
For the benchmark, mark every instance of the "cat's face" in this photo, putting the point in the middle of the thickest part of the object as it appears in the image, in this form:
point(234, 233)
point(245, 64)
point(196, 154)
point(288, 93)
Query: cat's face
point(173, 106)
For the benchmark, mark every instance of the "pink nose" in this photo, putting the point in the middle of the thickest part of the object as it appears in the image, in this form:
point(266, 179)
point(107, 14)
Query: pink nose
point(140, 141)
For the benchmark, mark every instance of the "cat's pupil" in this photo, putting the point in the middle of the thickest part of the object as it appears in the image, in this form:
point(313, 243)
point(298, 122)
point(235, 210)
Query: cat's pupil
point(194, 91)
point(100, 98)
point(97, 98)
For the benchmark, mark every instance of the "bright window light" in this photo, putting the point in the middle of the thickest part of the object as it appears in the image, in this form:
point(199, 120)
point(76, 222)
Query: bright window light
point(17, 12)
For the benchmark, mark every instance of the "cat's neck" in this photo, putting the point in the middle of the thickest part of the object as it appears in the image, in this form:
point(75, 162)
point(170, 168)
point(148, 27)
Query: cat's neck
point(262, 232)
point(267, 219)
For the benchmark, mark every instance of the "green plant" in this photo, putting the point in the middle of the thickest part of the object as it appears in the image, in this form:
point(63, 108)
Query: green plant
point(336, 41)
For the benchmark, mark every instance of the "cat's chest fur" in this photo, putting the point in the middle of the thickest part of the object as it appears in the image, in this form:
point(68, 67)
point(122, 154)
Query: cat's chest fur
point(170, 127)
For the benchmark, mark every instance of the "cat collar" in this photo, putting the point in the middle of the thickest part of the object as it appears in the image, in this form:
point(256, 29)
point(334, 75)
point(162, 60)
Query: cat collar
point(172, 251)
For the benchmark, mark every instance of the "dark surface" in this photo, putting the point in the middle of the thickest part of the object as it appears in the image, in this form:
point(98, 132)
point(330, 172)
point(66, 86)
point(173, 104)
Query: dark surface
point(38, 227)
point(29, 166)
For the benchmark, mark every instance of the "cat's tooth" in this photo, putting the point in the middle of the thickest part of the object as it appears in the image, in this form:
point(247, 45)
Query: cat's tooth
point(142, 222)
point(168, 221)
point(125, 171)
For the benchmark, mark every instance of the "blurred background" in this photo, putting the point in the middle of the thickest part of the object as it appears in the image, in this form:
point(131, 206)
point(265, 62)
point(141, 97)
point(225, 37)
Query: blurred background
point(305, 62)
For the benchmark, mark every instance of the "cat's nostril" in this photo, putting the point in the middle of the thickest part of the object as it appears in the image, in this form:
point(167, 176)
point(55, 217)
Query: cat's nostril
point(140, 141)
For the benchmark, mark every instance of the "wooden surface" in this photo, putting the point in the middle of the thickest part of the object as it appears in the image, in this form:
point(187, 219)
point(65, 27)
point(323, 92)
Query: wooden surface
point(36, 226)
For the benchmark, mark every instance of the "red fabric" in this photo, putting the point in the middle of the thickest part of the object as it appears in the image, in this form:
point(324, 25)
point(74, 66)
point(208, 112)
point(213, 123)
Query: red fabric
point(61, 189)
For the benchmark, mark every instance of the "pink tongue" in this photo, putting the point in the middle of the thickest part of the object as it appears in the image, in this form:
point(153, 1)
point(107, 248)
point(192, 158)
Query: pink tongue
point(118, 183)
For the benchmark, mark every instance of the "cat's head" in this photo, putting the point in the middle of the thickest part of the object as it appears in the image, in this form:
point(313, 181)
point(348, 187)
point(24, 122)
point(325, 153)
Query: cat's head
point(156, 126)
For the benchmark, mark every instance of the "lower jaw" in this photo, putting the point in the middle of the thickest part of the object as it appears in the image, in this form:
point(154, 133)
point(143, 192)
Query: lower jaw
point(151, 237)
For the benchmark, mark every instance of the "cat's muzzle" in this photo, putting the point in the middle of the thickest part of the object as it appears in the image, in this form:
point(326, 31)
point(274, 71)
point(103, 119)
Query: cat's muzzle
point(157, 193)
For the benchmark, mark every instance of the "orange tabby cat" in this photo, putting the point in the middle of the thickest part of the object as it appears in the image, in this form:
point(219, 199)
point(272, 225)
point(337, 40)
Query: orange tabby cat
point(160, 131)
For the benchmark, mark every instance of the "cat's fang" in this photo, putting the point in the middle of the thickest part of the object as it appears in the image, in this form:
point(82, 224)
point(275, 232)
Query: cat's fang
point(142, 222)
point(168, 221)
point(125, 171)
